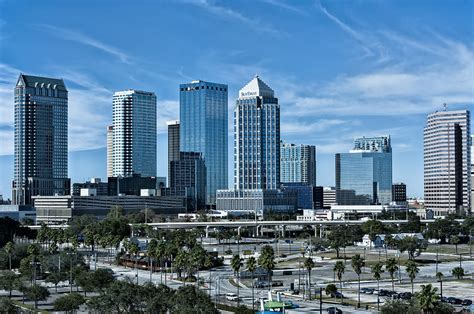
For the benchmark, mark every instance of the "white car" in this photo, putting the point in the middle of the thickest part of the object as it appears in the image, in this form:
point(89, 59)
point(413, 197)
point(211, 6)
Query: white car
point(231, 297)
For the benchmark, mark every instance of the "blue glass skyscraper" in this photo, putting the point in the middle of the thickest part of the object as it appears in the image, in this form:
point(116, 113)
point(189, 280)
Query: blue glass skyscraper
point(364, 175)
point(256, 138)
point(203, 128)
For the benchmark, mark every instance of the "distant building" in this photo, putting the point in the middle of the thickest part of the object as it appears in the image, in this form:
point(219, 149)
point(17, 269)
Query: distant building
point(248, 202)
point(133, 185)
point(173, 144)
point(188, 177)
point(59, 209)
point(95, 183)
point(256, 138)
point(41, 139)
point(18, 212)
point(364, 175)
point(203, 128)
point(134, 133)
point(110, 150)
point(308, 196)
point(399, 193)
point(329, 196)
point(447, 162)
point(298, 163)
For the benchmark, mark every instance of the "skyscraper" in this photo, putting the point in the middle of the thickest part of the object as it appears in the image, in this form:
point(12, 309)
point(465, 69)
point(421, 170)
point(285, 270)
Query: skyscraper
point(364, 175)
point(41, 139)
point(110, 150)
point(447, 162)
point(203, 128)
point(256, 138)
point(173, 144)
point(134, 133)
point(298, 163)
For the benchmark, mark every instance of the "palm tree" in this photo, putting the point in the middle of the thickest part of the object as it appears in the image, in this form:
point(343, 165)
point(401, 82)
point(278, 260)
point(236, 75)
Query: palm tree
point(133, 250)
point(377, 271)
point(33, 251)
point(266, 260)
point(331, 290)
point(339, 268)
point(251, 267)
point(412, 270)
point(9, 249)
point(427, 298)
point(392, 267)
point(455, 240)
point(236, 263)
point(440, 276)
point(309, 265)
point(458, 272)
point(357, 264)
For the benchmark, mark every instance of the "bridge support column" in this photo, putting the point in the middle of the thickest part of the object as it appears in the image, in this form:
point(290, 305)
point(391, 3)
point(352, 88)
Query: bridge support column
point(315, 231)
point(238, 230)
point(320, 231)
point(283, 229)
point(207, 232)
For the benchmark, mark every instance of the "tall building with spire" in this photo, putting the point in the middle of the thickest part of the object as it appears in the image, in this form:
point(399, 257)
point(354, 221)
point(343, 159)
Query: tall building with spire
point(203, 129)
point(134, 133)
point(256, 138)
point(41, 139)
point(447, 162)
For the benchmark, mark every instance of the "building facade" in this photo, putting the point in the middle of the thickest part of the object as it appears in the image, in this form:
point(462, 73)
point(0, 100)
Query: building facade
point(41, 139)
point(203, 128)
point(329, 196)
point(309, 196)
point(364, 175)
point(100, 187)
point(256, 138)
point(399, 193)
point(173, 145)
point(134, 133)
point(110, 151)
point(447, 162)
point(298, 163)
point(188, 177)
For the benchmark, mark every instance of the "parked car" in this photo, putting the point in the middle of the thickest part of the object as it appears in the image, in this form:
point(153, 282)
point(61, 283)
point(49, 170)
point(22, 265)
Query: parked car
point(405, 295)
point(384, 293)
point(455, 301)
point(370, 291)
point(338, 295)
point(466, 302)
point(232, 297)
point(364, 290)
point(334, 310)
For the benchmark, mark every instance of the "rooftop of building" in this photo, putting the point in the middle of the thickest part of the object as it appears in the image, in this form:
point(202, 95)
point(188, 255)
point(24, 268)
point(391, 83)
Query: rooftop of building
point(39, 81)
point(256, 87)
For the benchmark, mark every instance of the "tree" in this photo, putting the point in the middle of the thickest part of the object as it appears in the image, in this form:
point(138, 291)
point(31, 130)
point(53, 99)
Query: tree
point(412, 245)
point(440, 276)
point(331, 290)
point(377, 270)
point(9, 249)
point(266, 260)
point(7, 306)
point(251, 267)
point(392, 267)
point(55, 278)
point(188, 299)
point(309, 265)
point(338, 238)
point(427, 298)
point(37, 293)
point(454, 239)
point(8, 281)
point(458, 272)
point(236, 263)
point(412, 270)
point(339, 269)
point(69, 302)
point(357, 263)
point(400, 306)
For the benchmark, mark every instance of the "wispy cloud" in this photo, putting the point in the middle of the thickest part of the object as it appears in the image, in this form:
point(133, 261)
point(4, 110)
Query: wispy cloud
point(226, 12)
point(286, 6)
point(71, 35)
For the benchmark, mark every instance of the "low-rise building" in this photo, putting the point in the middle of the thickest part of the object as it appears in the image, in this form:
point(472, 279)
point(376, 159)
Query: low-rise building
point(17, 212)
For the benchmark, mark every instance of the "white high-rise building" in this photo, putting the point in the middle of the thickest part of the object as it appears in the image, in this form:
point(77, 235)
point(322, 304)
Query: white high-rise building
point(134, 133)
point(447, 162)
point(110, 151)
point(257, 138)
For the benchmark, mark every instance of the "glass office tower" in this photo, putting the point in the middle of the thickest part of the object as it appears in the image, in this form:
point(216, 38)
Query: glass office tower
point(256, 138)
point(447, 162)
point(298, 163)
point(203, 128)
point(41, 139)
point(134, 133)
point(364, 175)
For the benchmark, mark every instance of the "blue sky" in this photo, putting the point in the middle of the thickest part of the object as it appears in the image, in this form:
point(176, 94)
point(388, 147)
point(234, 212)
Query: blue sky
point(340, 69)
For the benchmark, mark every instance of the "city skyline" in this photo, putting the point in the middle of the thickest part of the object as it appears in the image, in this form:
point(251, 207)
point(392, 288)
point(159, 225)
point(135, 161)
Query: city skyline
point(330, 129)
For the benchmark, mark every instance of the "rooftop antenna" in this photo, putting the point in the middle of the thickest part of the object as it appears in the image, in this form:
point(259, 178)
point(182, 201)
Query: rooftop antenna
point(445, 107)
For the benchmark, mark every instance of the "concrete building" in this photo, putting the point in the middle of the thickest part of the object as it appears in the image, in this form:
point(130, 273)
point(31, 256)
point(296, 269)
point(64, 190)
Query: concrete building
point(447, 162)
point(298, 163)
point(173, 145)
point(364, 175)
point(100, 187)
point(133, 185)
point(329, 196)
point(59, 209)
point(399, 193)
point(248, 202)
point(203, 127)
point(256, 138)
point(134, 133)
point(18, 212)
point(110, 151)
point(41, 139)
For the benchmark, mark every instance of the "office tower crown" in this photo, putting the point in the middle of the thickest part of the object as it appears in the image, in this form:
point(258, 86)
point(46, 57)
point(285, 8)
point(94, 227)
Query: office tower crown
point(256, 87)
